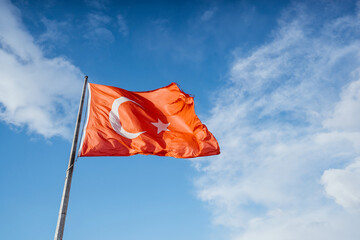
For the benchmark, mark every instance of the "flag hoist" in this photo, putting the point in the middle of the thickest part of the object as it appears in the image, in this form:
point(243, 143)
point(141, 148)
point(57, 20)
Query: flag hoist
point(123, 123)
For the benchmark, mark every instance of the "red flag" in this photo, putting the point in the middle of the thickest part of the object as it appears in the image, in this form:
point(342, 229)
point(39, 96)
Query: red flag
point(160, 122)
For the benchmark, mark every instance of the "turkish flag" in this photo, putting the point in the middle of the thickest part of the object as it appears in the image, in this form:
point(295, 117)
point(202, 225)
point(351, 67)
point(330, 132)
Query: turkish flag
point(160, 122)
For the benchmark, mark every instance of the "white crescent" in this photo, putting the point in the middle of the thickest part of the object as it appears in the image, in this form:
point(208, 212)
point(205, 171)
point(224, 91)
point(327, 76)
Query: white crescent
point(115, 119)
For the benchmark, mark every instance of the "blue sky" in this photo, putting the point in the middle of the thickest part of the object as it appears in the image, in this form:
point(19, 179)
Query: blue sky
point(278, 83)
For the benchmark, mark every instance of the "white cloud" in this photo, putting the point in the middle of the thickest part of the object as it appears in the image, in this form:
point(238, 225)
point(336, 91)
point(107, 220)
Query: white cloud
point(208, 14)
point(97, 4)
point(35, 91)
point(123, 28)
point(346, 116)
point(343, 185)
point(53, 32)
point(323, 223)
point(55, 35)
point(98, 28)
point(97, 19)
point(288, 114)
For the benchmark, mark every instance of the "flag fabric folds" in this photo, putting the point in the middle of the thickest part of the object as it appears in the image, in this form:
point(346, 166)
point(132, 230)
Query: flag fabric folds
point(160, 122)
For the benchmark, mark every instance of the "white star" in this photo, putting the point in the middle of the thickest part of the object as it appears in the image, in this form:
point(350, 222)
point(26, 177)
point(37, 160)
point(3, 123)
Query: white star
point(161, 126)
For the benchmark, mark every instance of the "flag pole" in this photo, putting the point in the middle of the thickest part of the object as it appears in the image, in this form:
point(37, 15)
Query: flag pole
point(65, 197)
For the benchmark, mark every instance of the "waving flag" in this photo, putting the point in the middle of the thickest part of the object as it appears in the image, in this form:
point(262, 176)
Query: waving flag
point(160, 122)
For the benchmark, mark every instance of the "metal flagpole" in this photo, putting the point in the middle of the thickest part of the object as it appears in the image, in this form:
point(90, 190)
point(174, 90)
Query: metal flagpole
point(65, 197)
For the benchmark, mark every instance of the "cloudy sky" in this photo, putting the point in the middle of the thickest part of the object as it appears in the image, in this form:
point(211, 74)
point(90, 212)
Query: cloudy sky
point(277, 82)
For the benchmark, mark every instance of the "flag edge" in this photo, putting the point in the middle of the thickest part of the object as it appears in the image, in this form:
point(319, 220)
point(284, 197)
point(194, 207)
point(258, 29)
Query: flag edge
point(87, 120)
